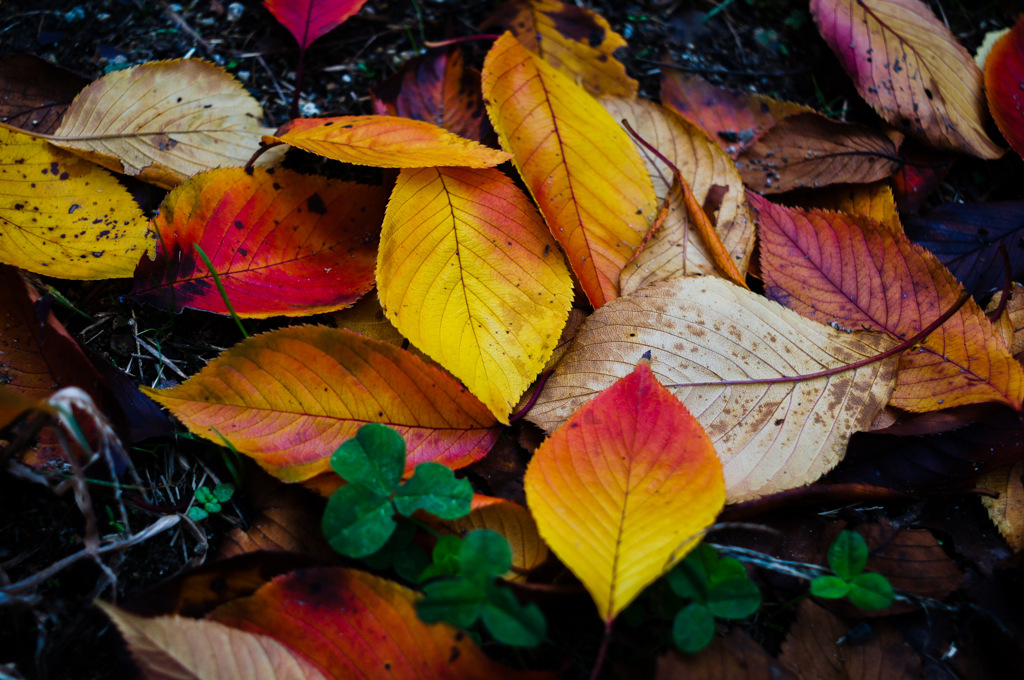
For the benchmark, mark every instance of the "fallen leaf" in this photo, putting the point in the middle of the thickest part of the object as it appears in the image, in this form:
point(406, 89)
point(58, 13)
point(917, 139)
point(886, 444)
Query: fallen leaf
point(187, 649)
point(579, 165)
point(810, 150)
point(469, 273)
point(625, 489)
point(875, 201)
point(309, 20)
point(385, 142)
point(35, 93)
point(968, 238)
point(702, 332)
point(733, 656)
point(438, 88)
point(818, 647)
point(1007, 510)
point(164, 121)
point(64, 217)
point(1014, 317)
point(731, 118)
point(512, 522)
point(923, 172)
point(285, 521)
point(280, 242)
point(909, 67)
point(912, 560)
point(935, 462)
point(13, 403)
point(1004, 78)
point(855, 273)
point(350, 624)
point(366, 317)
point(38, 356)
point(677, 248)
point(290, 397)
point(575, 40)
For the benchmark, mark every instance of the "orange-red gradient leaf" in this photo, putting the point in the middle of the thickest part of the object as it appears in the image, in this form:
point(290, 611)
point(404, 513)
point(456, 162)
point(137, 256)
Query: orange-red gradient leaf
point(438, 88)
point(910, 68)
point(179, 648)
point(308, 20)
point(575, 40)
point(468, 272)
point(625, 488)
point(1004, 85)
point(857, 274)
point(385, 142)
point(290, 397)
point(349, 624)
point(579, 164)
point(282, 243)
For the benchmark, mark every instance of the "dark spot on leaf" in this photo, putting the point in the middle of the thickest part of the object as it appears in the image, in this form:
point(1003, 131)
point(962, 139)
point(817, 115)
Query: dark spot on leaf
point(316, 205)
point(73, 208)
point(239, 225)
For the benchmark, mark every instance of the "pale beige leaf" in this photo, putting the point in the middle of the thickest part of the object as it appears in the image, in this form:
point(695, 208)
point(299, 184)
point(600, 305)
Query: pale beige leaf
point(677, 250)
point(165, 121)
point(770, 437)
point(177, 648)
point(1006, 511)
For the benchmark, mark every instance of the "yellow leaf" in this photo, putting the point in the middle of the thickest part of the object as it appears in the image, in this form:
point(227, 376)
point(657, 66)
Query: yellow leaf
point(165, 121)
point(625, 489)
point(582, 169)
point(63, 216)
point(470, 275)
point(385, 142)
point(704, 331)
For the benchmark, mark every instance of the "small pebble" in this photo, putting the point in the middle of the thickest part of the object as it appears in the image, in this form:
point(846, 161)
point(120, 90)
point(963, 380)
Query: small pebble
point(235, 11)
point(309, 109)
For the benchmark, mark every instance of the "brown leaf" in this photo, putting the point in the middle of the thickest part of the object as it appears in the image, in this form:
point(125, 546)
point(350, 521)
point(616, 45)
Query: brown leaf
point(819, 647)
point(734, 656)
point(34, 93)
point(911, 559)
point(1006, 511)
point(809, 150)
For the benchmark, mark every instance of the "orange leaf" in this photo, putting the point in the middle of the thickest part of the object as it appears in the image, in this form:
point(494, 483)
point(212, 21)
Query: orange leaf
point(173, 647)
point(909, 67)
point(575, 40)
point(513, 522)
point(1006, 511)
point(350, 624)
point(855, 273)
point(438, 88)
point(732, 118)
point(866, 200)
point(385, 142)
point(625, 489)
point(290, 397)
point(282, 243)
point(583, 171)
point(1004, 85)
point(468, 272)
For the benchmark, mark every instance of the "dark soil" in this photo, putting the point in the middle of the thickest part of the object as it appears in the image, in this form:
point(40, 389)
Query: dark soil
point(767, 46)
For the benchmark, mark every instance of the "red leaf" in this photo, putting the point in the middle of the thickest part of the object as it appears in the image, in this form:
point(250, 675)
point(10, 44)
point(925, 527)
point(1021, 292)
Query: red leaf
point(1004, 85)
point(281, 243)
point(310, 19)
point(437, 88)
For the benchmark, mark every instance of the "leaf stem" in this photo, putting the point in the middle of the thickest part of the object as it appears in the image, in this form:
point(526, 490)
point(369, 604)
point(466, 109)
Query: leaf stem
point(905, 345)
point(603, 651)
point(220, 287)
